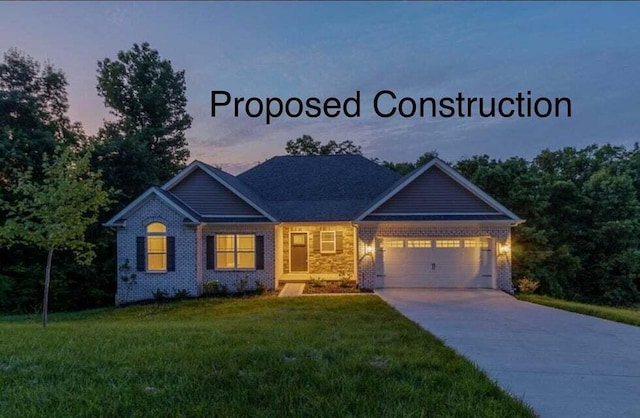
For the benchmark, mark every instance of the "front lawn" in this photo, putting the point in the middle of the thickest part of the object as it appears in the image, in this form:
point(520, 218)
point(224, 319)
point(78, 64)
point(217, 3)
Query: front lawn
point(265, 356)
point(626, 316)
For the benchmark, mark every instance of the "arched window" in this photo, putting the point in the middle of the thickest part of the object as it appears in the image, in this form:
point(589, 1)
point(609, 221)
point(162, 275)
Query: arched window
point(156, 247)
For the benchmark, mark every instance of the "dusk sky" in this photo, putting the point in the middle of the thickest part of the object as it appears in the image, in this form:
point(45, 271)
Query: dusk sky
point(589, 52)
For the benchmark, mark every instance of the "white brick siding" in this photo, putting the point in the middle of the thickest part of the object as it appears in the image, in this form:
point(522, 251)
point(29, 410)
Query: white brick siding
point(184, 276)
point(367, 234)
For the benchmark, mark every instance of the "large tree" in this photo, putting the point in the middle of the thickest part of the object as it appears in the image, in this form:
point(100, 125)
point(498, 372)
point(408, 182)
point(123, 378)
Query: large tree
point(55, 214)
point(146, 142)
point(33, 107)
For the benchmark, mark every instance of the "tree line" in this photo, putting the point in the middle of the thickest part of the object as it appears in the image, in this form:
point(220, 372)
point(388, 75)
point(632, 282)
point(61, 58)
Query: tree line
point(580, 239)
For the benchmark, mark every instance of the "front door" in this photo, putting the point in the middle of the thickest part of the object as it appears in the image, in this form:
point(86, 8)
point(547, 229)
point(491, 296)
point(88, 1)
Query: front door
point(299, 261)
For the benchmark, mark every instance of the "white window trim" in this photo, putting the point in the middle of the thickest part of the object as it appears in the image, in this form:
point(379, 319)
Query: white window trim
point(235, 253)
point(332, 241)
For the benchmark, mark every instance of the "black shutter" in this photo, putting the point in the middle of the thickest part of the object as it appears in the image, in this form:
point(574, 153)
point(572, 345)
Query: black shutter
point(316, 241)
point(211, 252)
point(259, 252)
point(339, 239)
point(171, 253)
point(140, 254)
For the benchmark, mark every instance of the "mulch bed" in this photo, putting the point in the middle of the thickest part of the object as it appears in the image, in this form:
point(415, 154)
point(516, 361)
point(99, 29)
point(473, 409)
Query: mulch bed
point(332, 287)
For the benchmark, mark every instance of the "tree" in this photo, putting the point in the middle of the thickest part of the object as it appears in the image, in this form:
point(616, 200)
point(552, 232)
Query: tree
point(306, 145)
point(55, 215)
point(33, 121)
point(147, 139)
point(405, 167)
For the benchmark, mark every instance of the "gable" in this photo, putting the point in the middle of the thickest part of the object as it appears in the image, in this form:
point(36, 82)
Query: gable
point(434, 192)
point(158, 197)
point(209, 197)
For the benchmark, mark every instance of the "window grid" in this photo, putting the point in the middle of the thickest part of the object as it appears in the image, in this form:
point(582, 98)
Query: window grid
point(447, 243)
point(235, 252)
point(327, 242)
point(419, 243)
point(395, 243)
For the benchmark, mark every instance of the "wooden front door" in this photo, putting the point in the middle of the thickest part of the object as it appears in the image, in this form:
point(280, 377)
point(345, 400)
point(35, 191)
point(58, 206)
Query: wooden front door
point(299, 256)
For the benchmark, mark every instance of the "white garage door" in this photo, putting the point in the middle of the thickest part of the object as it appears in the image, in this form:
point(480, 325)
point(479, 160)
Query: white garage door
point(424, 262)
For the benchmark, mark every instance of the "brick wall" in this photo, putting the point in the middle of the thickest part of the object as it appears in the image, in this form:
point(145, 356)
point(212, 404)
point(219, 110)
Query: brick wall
point(368, 232)
point(184, 277)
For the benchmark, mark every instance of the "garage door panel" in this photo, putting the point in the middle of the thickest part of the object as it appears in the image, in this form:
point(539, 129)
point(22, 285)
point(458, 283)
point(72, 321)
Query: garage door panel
point(451, 262)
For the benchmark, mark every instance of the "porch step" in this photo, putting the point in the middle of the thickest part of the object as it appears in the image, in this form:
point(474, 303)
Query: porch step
point(291, 289)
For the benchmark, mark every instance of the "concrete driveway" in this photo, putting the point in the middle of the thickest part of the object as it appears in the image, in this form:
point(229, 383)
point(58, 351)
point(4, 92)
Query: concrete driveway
point(562, 364)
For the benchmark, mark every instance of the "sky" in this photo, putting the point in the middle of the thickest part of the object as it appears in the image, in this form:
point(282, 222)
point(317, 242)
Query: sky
point(589, 52)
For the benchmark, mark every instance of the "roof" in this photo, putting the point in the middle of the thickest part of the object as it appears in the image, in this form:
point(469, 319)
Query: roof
point(319, 187)
point(189, 214)
point(316, 189)
point(392, 190)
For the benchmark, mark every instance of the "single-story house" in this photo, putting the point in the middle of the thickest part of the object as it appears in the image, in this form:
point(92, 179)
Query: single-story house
point(297, 218)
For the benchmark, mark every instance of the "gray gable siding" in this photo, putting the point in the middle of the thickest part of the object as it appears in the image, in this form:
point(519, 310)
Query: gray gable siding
point(210, 198)
point(434, 192)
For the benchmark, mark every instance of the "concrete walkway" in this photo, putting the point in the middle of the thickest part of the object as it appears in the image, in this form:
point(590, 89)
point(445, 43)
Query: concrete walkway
point(291, 289)
point(561, 363)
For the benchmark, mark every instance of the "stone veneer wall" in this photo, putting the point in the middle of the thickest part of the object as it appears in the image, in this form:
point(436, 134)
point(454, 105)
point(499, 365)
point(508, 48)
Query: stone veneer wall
point(230, 278)
point(322, 263)
point(368, 232)
point(184, 277)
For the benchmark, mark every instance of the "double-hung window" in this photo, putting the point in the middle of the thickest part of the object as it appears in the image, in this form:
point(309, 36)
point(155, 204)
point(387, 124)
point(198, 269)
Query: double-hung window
point(328, 242)
point(236, 252)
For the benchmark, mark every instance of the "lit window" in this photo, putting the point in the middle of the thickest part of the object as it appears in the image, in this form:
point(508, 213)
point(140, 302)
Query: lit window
point(393, 243)
point(328, 242)
point(476, 243)
point(235, 252)
point(419, 243)
point(156, 247)
point(447, 243)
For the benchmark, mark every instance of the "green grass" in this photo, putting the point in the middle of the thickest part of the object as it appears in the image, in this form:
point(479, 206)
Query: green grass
point(626, 316)
point(266, 356)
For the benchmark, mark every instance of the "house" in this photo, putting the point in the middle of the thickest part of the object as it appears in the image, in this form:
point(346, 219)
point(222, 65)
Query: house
point(293, 218)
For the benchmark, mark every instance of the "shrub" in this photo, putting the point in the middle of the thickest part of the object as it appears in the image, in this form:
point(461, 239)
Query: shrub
point(345, 279)
point(160, 296)
point(317, 282)
point(260, 288)
point(181, 294)
point(214, 288)
point(242, 285)
point(527, 286)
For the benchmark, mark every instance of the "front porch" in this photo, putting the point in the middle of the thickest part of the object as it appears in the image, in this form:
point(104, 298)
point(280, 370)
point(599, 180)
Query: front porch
point(308, 251)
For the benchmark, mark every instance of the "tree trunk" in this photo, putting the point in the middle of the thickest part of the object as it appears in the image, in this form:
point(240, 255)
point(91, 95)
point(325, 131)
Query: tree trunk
point(47, 280)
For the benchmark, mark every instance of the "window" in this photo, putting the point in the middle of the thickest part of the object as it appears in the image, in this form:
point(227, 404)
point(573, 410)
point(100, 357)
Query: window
point(156, 247)
point(328, 242)
point(482, 243)
point(235, 252)
point(419, 243)
point(447, 243)
point(393, 243)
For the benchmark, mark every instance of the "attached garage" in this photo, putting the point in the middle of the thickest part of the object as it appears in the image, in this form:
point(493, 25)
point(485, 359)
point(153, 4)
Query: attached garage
point(435, 262)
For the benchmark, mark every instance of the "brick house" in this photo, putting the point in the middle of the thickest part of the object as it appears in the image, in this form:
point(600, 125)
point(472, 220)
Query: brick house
point(294, 218)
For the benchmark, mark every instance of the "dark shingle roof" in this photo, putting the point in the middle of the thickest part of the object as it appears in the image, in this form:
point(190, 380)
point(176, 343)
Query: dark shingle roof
point(318, 188)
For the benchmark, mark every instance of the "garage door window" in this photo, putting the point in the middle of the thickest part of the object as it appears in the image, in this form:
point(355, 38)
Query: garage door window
point(447, 243)
point(476, 243)
point(419, 243)
point(393, 243)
